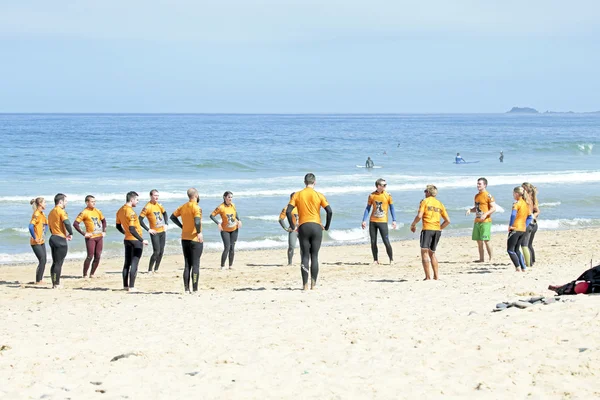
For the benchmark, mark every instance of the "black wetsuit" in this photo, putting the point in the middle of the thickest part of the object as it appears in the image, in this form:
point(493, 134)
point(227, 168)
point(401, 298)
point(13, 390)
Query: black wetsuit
point(59, 249)
point(40, 252)
point(382, 227)
point(159, 240)
point(310, 235)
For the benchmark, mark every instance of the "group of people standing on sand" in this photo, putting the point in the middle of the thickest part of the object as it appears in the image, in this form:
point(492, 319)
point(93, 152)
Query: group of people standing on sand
point(130, 225)
point(303, 223)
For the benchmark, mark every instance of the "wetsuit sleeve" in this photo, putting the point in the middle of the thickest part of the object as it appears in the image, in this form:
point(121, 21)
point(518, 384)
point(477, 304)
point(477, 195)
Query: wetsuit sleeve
point(103, 225)
point(513, 216)
point(135, 233)
point(176, 221)
point(32, 231)
point(68, 227)
point(214, 219)
point(288, 213)
point(198, 224)
point(77, 228)
point(366, 214)
point(285, 228)
point(528, 220)
point(143, 224)
point(393, 212)
point(165, 217)
point(329, 216)
point(120, 228)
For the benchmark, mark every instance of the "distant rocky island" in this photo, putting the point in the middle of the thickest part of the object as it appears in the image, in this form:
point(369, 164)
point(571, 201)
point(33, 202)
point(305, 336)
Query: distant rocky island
point(529, 110)
point(523, 110)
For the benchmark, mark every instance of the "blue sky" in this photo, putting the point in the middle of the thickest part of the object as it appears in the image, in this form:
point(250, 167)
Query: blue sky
point(299, 56)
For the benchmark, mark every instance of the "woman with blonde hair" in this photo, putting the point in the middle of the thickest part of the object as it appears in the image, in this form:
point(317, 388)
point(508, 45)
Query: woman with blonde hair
point(533, 226)
point(517, 227)
point(37, 228)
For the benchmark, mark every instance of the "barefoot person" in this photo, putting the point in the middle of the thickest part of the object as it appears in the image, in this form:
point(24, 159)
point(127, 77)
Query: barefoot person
point(129, 225)
point(381, 201)
point(191, 238)
point(157, 218)
point(62, 232)
point(310, 231)
point(95, 230)
point(517, 228)
point(485, 206)
point(292, 230)
point(431, 210)
point(37, 228)
point(229, 226)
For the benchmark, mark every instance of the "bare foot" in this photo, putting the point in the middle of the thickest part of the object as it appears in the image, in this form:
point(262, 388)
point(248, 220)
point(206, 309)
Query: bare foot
point(230, 267)
point(518, 270)
point(313, 284)
point(132, 289)
point(427, 278)
point(375, 262)
point(478, 261)
point(305, 287)
point(391, 262)
point(39, 283)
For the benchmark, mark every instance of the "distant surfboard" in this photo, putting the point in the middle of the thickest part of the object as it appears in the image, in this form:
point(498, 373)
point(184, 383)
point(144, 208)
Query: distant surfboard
point(362, 166)
point(466, 162)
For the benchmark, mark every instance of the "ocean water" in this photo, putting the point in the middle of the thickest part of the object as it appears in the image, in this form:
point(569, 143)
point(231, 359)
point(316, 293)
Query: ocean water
point(263, 158)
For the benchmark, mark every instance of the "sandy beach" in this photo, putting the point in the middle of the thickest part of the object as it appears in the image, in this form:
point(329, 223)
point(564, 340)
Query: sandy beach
point(368, 331)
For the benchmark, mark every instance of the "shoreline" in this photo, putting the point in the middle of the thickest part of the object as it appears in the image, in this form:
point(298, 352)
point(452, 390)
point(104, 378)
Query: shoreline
point(368, 331)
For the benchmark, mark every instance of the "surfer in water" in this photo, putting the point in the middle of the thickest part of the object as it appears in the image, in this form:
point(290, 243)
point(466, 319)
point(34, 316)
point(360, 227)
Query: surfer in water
point(501, 156)
point(459, 159)
point(369, 163)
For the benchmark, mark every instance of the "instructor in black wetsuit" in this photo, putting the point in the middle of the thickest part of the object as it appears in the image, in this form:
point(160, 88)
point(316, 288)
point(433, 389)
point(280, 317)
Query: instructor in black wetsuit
point(310, 231)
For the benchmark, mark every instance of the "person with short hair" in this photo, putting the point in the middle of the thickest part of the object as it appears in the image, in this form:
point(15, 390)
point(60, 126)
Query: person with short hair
point(458, 159)
point(95, 231)
point(485, 206)
point(381, 201)
point(431, 210)
point(310, 230)
point(292, 230)
point(192, 241)
point(37, 229)
point(157, 218)
point(62, 232)
point(228, 227)
point(517, 228)
point(129, 225)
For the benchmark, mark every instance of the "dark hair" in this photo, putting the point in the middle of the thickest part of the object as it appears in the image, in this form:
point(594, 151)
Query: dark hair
point(379, 181)
point(152, 192)
point(309, 178)
point(482, 180)
point(227, 193)
point(58, 198)
point(89, 196)
point(130, 196)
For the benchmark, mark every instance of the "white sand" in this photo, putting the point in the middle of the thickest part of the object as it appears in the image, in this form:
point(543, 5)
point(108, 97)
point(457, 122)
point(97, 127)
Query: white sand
point(367, 332)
